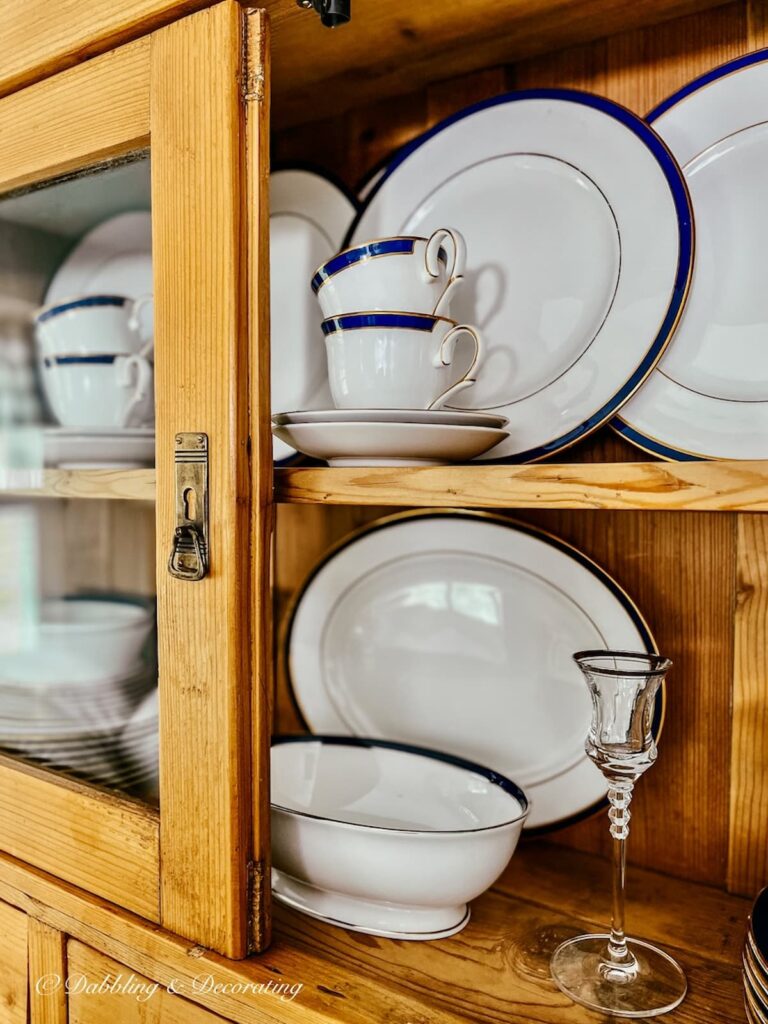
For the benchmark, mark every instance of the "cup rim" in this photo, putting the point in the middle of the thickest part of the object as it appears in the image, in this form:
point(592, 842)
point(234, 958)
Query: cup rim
point(382, 312)
point(657, 664)
point(363, 245)
point(75, 302)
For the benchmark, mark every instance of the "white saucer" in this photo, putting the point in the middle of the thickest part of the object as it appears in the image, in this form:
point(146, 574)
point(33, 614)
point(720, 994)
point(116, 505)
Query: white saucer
point(389, 444)
point(92, 448)
point(363, 915)
point(454, 417)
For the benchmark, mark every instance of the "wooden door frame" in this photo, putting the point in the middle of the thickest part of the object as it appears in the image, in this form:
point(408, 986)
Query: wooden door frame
point(184, 90)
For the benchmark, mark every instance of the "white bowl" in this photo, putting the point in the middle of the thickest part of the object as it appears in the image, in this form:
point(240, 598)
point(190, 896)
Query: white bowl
point(386, 838)
point(82, 641)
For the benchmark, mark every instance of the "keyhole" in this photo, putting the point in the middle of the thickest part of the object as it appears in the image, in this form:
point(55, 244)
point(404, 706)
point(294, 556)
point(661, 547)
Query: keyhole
point(190, 504)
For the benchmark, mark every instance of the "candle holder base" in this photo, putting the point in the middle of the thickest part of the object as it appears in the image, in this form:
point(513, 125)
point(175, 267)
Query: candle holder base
point(652, 984)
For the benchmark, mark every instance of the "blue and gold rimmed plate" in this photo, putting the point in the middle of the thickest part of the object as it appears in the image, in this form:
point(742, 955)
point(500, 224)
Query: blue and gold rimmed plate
point(708, 397)
point(579, 251)
point(455, 631)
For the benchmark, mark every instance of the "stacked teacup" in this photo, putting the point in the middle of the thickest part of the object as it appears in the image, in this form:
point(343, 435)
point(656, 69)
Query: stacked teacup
point(94, 356)
point(391, 348)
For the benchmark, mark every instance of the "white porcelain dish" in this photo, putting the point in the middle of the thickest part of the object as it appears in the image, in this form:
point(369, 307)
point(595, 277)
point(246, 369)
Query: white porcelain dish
point(455, 631)
point(385, 838)
point(708, 397)
point(97, 448)
point(114, 258)
point(308, 218)
point(454, 417)
point(83, 641)
point(579, 252)
point(389, 444)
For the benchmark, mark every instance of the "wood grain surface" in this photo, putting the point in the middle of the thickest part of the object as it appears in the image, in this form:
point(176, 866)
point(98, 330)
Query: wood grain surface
point(76, 119)
point(202, 374)
point(495, 971)
point(748, 841)
point(13, 966)
point(95, 839)
point(114, 484)
point(694, 486)
point(47, 973)
point(256, 217)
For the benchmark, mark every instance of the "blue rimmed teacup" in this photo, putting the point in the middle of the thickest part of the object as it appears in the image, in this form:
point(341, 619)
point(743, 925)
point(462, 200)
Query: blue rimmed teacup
point(407, 272)
point(394, 360)
point(91, 324)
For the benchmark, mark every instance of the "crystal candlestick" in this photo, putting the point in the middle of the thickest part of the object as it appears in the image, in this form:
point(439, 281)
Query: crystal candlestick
point(609, 972)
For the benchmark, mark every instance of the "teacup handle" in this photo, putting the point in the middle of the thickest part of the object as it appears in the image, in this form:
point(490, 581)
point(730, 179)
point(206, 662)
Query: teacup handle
point(445, 357)
point(143, 386)
point(451, 242)
point(134, 322)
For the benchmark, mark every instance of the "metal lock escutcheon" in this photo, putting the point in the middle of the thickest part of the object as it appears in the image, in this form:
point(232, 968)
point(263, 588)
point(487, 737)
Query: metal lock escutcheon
point(189, 552)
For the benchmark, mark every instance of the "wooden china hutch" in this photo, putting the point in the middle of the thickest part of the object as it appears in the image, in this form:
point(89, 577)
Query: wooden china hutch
point(99, 885)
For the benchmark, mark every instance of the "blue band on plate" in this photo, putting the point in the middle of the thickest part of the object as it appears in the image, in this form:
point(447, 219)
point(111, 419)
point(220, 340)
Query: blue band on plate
point(101, 360)
point(90, 300)
point(353, 321)
point(681, 199)
point(387, 247)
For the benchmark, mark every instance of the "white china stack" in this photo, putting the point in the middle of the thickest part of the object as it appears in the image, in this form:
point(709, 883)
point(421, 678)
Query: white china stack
point(395, 359)
point(83, 699)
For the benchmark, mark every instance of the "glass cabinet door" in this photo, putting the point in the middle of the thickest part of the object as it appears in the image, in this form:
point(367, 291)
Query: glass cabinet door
point(135, 481)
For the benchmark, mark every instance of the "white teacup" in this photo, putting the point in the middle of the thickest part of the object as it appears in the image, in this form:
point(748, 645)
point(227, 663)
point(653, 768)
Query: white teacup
point(100, 390)
point(413, 273)
point(93, 324)
point(392, 360)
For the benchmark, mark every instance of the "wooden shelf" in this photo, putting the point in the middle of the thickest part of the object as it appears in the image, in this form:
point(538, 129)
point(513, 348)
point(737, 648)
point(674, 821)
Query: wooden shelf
point(122, 484)
point(394, 48)
point(697, 486)
point(497, 969)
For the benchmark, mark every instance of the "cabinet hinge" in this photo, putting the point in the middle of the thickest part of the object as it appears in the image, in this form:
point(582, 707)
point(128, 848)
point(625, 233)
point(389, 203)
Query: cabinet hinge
point(257, 924)
point(254, 43)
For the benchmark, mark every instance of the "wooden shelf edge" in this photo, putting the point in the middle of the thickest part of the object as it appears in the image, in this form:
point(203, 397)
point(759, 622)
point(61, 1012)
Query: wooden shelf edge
point(696, 486)
point(497, 969)
point(115, 484)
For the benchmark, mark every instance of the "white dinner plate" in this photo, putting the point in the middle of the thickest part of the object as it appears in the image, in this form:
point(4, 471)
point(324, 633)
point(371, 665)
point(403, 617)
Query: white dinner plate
point(308, 218)
point(388, 444)
point(94, 448)
point(456, 631)
point(708, 397)
point(115, 258)
point(455, 417)
point(579, 251)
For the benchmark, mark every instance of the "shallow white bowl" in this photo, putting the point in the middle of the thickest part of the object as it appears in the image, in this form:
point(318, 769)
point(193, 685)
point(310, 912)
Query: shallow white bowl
point(82, 641)
point(386, 838)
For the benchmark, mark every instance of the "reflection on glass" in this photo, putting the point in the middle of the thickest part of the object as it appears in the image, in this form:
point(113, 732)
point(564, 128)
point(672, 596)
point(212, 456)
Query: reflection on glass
point(78, 679)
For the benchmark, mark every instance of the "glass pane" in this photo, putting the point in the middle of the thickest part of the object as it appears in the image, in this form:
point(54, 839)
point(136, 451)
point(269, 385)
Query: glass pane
point(78, 677)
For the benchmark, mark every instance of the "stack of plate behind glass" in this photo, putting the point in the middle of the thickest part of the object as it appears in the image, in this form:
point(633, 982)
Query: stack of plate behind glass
point(83, 698)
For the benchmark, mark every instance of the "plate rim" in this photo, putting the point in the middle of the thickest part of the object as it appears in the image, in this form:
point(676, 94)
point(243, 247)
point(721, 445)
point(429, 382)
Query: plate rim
point(547, 536)
point(646, 442)
point(681, 199)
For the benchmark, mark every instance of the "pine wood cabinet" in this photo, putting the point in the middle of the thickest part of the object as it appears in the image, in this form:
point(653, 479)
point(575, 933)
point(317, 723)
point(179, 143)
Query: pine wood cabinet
point(99, 884)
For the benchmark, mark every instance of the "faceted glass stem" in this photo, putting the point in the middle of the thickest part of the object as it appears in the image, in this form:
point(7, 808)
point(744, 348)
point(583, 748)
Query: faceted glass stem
point(621, 965)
